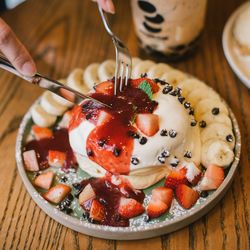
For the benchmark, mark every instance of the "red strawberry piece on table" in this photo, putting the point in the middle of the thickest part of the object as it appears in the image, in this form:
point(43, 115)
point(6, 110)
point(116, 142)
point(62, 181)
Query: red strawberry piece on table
point(129, 208)
point(136, 82)
point(213, 178)
point(192, 172)
point(97, 212)
point(44, 180)
point(148, 123)
point(174, 178)
point(163, 194)
point(87, 194)
point(30, 160)
point(156, 208)
point(186, 196)
point(41, 133)
point(56, 158)
point(103, 118)
point(106, 88)
point(57, 193)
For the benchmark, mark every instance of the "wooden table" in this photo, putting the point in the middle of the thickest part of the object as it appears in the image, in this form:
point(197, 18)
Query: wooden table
point(62, 35)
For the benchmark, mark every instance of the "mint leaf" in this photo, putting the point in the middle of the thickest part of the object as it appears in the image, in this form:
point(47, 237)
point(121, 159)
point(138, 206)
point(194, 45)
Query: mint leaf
point(145, 86)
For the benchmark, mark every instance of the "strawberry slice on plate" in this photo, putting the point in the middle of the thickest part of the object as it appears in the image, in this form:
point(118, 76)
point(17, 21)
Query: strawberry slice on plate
point(192, 172)
point(186, 196)
point(163, 194)
point(97, 211)
point(156, 208)
point(56, 158)
point(87, 193)
point(129, 208)
point(57, 193)
point(213, 178)
point(30, 161)
point(44, 180)
point(174, 178)
point(106, 88)
point(41, 133)
point(148, 123)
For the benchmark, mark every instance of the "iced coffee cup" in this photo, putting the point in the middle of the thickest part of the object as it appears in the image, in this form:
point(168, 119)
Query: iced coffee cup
point(169, 27)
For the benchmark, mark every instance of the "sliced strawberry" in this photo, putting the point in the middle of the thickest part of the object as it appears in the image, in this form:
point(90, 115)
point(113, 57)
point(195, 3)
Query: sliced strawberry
point(57, 193)
point(136, 82)
point(174, 178)
point(30, 160)
point(41, 133)
point(44, 180)
point(163, 194)
point(103, 117)
point(67, 95)
point(156, 208)
point(192, 172)
point(129, 208)
point(56, 158)
point(213, 178)
point(97, 212)
point(106, 88)
point(186, 196)
point(87, 194)
point(148, 123)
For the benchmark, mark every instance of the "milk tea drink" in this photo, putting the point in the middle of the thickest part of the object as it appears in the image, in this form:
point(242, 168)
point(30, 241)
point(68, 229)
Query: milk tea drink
point(169, 27)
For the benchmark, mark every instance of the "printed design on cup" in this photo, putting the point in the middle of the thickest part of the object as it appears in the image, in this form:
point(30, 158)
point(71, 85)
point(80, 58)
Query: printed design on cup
point(157, 19)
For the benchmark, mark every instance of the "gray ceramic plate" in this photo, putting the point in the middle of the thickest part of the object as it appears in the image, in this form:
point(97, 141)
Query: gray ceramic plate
point(175, 219)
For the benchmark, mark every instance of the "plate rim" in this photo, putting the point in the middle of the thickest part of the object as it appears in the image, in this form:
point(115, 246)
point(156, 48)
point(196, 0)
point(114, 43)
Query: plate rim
point(228, 49)
point(126, 233)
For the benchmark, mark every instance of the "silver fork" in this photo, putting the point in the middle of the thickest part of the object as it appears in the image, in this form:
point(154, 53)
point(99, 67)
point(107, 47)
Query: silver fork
point(123, 64)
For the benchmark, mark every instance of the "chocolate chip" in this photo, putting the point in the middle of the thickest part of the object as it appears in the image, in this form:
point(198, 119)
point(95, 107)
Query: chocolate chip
point(64, 179)
point(175, 162)
point(215, 111)
point(77, 186)
point(202, 124)
point(135, 161)
point(161, 159)
point(133, 134)
point(167, 89)
point(204, 194)
point(143, 75)
point(193, 123)
point(172, 133)
point(88, 116)
point(188, 154)
point(89, 152)
point(181, 99)
point(187, 105)
point(165, 154)
point(101, 142)
point(191, 111)
point(229, 138)
point(102, 201)
point(146, 218)
point(157, 80)
point(143, 140)
point(117, 152)
point(164, 132)
point(176, 92)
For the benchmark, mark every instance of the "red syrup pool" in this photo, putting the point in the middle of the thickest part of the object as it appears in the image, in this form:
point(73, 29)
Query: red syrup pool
point(59, 142)
point(109, 196)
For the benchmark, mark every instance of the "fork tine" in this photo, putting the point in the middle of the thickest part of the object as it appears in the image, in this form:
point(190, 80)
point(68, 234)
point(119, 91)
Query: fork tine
point(116, 72)
point(127, 75)
point(121, 75)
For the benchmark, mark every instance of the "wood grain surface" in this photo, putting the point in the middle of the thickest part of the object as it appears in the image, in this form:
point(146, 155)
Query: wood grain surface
point(62, 35)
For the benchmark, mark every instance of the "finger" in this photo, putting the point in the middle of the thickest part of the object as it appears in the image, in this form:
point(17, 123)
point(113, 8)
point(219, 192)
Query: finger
point(107, 5)
point(13, 49)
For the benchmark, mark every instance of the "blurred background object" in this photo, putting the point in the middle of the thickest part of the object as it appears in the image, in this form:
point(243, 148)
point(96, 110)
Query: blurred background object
point(9, 4)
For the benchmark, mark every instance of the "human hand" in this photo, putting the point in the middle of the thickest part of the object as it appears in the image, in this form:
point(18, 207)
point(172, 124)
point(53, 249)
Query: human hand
point(107, 5)
point(15, 51)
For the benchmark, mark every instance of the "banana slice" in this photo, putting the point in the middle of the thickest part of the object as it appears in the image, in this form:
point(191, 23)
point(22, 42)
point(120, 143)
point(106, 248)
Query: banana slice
point(90, 75)
point(218, 131)
point(201, 93)
point(141, 68)
point(106, 70)
point(209, 118)
point(75, 81)
point(135, 61)
point(216, 152)
point(207, 105)
point(174, 77)
point(157, 70)
point(50, 105)
point(189, 85)
point(41, 117)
